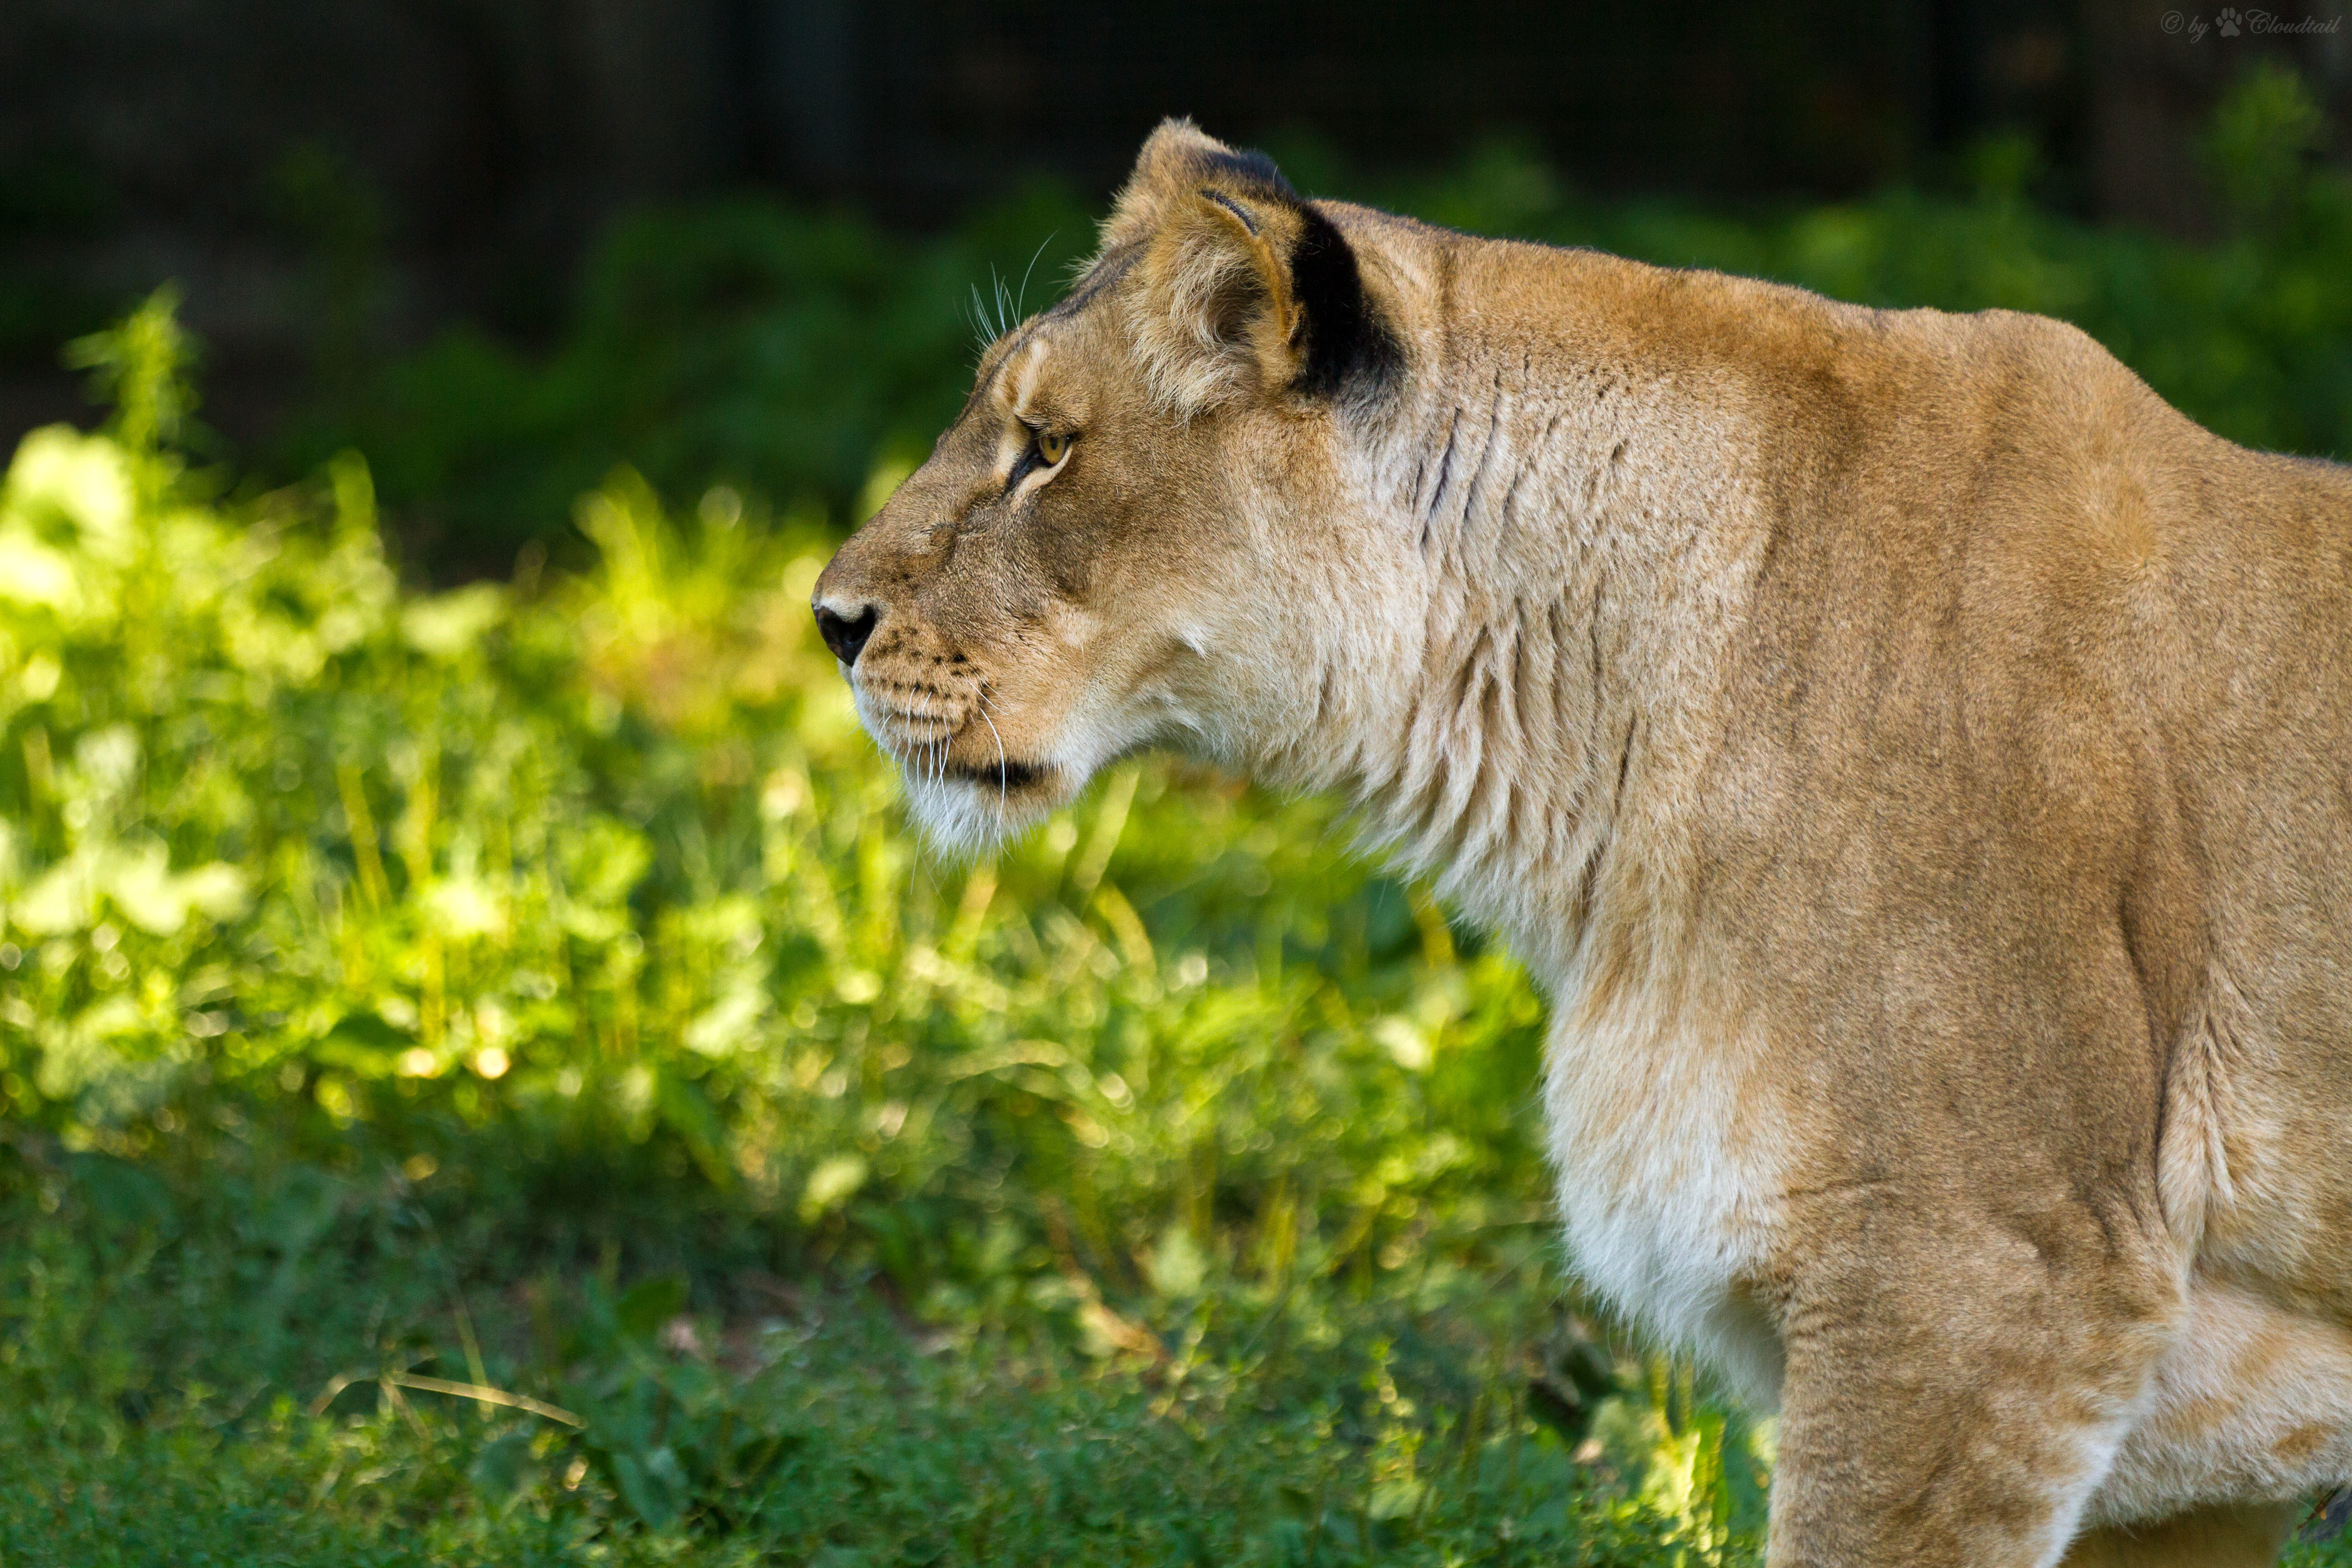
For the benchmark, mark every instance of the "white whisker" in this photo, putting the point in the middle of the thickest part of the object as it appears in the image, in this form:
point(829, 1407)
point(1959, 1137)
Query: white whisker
point(1023, 299)
point(981, 336)
point(1003, 788)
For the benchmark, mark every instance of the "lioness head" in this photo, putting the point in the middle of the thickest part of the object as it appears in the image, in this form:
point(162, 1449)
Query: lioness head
point(1135, 532)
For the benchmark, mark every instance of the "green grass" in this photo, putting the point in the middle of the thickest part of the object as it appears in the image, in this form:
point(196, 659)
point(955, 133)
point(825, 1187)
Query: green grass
point(534, 989)
point(167, 1368)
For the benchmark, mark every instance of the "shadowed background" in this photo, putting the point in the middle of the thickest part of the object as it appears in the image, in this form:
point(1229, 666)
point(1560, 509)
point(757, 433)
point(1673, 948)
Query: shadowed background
point(334, 181)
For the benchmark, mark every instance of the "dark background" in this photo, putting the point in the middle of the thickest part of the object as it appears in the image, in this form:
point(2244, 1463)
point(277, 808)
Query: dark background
point(471, 149)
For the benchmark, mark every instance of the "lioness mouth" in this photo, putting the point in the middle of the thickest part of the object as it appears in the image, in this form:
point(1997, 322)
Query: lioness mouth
point(997, 776)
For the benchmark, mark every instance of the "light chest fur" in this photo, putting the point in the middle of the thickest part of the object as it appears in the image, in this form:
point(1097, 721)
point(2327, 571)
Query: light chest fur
point(1540, 769)
point(1671, 1149)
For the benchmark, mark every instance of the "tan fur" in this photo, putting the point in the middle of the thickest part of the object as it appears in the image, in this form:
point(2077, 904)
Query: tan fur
point(2235, 1536)
point(1914, 758)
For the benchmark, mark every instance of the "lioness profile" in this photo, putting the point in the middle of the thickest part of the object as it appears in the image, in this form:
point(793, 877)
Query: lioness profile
point(1917, 762)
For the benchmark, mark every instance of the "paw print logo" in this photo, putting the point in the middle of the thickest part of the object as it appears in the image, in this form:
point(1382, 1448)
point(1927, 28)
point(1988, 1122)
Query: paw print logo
point(2228, 21)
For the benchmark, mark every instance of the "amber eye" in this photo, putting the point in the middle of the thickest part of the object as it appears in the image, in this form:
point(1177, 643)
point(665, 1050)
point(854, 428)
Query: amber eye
point(1051, 447)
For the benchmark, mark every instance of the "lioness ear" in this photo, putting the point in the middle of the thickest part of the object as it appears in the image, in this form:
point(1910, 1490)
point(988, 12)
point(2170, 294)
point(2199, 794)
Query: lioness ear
point(1215, 319)
point(1176, 160)
point(1242, 288)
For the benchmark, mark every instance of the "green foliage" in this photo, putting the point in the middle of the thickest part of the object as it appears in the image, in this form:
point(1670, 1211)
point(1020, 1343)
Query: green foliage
point(815, 1433)
point(410, 943)
point(739, 341)
point(328, 213)
point(2262, 135)
point(2253, 337)
point(610, 870)
point(140, 366)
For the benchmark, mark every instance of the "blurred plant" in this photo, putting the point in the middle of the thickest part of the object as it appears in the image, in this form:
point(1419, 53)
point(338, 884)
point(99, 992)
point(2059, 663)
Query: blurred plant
point(324, 205)
point(735, 342)
point(2002, 169)
point(608, 874)
point(140, 367)
point(676, 1439)
point(2259, 147)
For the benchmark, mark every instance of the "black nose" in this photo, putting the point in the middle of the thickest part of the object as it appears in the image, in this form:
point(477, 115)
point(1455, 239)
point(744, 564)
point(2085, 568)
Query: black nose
point(844, 636)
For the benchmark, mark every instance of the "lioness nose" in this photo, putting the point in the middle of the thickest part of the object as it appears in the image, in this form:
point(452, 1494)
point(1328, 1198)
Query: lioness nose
point(845, 635)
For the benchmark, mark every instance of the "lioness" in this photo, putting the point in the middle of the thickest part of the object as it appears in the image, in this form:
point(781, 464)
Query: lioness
point(1913, 757)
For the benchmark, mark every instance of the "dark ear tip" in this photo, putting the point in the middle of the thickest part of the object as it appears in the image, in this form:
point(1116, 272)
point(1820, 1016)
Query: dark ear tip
point(1349, 348)
point(1248, 171)
point(1256, 166)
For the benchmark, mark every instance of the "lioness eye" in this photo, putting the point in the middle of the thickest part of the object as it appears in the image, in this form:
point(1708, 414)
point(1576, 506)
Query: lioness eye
point(1052, 447)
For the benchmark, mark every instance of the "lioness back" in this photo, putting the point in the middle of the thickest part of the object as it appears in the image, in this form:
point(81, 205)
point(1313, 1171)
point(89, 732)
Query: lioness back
point(1911, 756)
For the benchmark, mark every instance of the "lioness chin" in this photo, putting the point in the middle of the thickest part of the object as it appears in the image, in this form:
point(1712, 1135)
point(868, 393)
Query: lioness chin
point(1915, 759)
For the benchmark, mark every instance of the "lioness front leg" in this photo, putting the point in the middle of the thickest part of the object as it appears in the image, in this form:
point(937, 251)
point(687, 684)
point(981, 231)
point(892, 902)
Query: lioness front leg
point(1957, 1385)
point(2246, 1535)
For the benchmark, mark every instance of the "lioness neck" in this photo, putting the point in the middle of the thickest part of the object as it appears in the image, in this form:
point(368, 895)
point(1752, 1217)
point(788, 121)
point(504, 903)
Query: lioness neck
point(1580, 497)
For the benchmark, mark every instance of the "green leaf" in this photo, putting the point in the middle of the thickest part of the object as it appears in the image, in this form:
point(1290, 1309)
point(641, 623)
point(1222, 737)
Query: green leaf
point(650, 1304)
point(503, 1467)
point(654, 1486)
